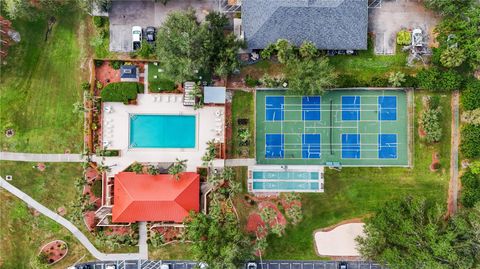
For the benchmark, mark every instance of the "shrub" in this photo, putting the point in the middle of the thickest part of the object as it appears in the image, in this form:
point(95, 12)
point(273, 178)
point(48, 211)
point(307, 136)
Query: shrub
point(346, 80)
point(470, 141)
point(433, 101)
point(108, 152)
point(267, 52)
point(308, 50)
point(470, 189)
point(98, 63)
point(102, 33)
point(452, 57)
point(97, 188)
point(161, 85)
point(410, 81)
point(121, 91)
point(436, 80)
point(404, 37)
point(471, 96)
point(251, 81)
point(396, 79)
point(85, 86)
point(98, 21)
point(430, 123)
point(471, 116)
point(376, 82)
point(116, 64)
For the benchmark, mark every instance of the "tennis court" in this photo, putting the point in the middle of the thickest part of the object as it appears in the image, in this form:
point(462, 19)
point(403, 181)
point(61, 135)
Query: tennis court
point(347, 127)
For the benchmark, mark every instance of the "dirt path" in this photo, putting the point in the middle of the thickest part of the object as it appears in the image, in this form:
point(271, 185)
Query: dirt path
point(455, 141)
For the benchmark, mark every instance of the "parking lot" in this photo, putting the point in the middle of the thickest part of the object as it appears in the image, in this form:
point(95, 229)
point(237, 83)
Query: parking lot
point(125, 14)
point(387, 17)
point(264, 265)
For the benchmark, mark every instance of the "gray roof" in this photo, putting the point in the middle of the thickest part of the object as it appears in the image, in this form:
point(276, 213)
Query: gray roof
point(214, 95)
point(128, 71)
point(330, 24)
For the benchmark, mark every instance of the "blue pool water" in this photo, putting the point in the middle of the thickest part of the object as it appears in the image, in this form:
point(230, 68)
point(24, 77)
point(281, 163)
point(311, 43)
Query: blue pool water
point(162, 131)
point(285, 181)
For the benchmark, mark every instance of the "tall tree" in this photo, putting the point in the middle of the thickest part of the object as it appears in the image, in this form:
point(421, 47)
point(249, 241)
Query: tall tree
point(309, 76)
point(413, 233)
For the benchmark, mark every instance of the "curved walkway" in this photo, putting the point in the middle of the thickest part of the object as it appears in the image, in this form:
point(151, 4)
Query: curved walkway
point(69, 226)
point(37, 157)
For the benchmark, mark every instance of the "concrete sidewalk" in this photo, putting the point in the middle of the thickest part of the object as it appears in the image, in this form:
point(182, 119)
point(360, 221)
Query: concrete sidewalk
point(38, 157)
point(69, 226)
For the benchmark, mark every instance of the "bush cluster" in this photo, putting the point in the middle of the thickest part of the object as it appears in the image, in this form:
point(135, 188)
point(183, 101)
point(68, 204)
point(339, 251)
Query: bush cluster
point(470, 141)
point(435, 79)
point(116, 64)
point(404, 37)
point(98, 21)
point(470, 189)
point(430, 123)
point(121, 91)
point(471, 96)
point(251, 82)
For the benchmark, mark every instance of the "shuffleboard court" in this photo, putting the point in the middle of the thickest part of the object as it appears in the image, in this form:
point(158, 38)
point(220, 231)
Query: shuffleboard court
point(356, 127)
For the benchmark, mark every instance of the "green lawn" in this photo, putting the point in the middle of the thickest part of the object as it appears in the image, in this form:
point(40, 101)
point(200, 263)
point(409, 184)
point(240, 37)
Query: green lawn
point(159, 81)
point(366, 64)
point(40, 84)
point(22, 233)
point(242, 108)
point(355, 192)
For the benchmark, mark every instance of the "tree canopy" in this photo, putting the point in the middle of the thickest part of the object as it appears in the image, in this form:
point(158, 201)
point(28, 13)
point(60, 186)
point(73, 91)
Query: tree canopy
point(310, 76)
point(413, 233)
point(188, 49)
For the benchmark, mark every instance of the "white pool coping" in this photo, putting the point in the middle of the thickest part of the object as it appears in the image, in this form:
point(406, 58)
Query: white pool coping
point(118, 133)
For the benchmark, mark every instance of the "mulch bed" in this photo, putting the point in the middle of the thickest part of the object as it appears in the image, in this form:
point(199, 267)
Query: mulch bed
point(255, 221)
point(118, 230)
point(106, 74)
point(54, 251)
point(91, 174)
point(169, 233)
point(89, 220)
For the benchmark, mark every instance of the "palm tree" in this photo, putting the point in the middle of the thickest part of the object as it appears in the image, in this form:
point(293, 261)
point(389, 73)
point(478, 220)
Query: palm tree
point(244, 135)
point(178, 167)
point(152, 170)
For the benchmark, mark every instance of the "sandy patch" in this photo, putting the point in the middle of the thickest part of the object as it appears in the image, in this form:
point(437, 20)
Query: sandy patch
point(339, 241)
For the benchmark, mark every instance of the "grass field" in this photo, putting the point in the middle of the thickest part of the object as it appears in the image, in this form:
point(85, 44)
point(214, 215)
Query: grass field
point(40, 84)
point(242, 108)
point(355, 192)
point(366, 64)
point(22, 233)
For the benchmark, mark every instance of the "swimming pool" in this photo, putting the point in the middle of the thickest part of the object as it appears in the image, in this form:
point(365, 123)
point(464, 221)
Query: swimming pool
point(281, 181)
point(162, 131)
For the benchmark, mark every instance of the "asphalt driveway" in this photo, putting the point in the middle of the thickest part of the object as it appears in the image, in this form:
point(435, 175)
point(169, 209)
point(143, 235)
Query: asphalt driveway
point(392, 15)
point(125, 14)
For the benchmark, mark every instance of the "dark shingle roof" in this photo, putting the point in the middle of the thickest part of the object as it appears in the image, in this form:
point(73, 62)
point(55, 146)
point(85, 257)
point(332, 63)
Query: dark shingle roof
point(330, 24)
point(128, 71)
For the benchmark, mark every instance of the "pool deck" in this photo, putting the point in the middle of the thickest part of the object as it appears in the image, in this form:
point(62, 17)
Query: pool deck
point(170, 104)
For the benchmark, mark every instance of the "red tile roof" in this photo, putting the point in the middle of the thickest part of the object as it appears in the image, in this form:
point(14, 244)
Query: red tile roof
point(140, 197)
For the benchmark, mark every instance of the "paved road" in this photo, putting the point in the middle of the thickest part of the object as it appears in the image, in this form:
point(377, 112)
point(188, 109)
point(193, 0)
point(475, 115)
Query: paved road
point(37, 157)
point(68, 225)
point(455, 140)
point(284, 264)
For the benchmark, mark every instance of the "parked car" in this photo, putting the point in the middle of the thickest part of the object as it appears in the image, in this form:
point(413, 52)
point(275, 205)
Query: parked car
point(150, 33)
point(136, 37)
point(203, 265)
point(164, 266)
point(111, 266)
point(343, 265)
point(251, 265)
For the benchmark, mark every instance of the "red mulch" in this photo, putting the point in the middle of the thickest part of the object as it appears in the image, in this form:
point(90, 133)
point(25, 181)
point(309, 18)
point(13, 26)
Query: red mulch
point(89, 219)
point(119, 230)
point(106, 72)
point(255, 221)
point(91, 174)
point(169, 233)
point(287, 205)
point(54, 252)
point(97, 200)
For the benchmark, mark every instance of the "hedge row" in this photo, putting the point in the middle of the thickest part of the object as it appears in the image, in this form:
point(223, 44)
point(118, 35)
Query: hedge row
point(470, 141)
point(346, 81)
point(471, 96)
point(121, 91)
point(470, 189)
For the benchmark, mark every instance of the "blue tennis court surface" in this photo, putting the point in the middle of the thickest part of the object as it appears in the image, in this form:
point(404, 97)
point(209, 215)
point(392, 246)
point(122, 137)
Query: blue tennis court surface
point(274, 108)
point(311, 144)
point(351, 146)
point(350, 107)
point(274, 145)
point(387, 106)
point(387, 146)
point(311, 107)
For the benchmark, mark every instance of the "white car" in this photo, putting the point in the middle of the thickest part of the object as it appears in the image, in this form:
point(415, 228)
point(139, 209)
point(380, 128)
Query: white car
point(136, 37)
